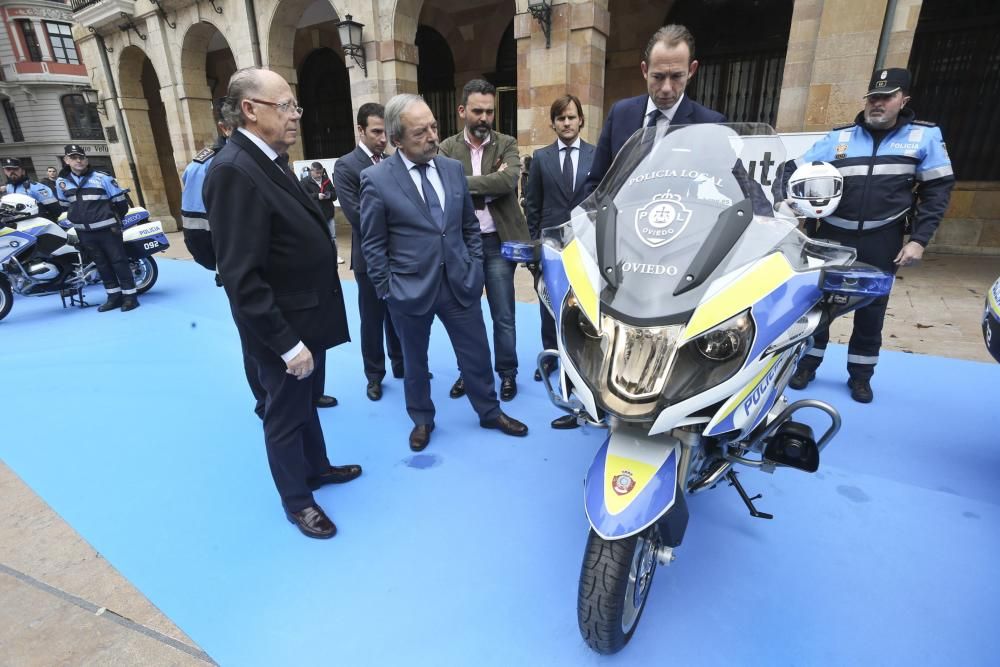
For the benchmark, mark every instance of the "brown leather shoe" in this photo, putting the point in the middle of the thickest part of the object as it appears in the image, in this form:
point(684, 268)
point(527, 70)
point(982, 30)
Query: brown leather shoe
point(506, 425)
point(458, 389)
point(374, 390)
point(313, 522)
point(420, 437)
point(335, 475)
point(325, 401)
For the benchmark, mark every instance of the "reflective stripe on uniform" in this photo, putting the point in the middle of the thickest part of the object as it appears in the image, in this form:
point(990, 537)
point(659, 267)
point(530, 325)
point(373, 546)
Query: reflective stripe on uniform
point(817, 352)
point(862, 360)
point(878, 170)
point(852, 225)
point(931, 174)
point(194, 223)
point(100, 224)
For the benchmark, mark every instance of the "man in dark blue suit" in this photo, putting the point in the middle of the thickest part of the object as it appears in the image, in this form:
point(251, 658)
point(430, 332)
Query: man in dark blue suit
point(555, 187)
point(667, 66)
point(374, 317)
point(421, 240)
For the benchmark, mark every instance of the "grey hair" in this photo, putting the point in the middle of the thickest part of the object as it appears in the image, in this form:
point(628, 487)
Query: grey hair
point(243, 84)
point(394, 109)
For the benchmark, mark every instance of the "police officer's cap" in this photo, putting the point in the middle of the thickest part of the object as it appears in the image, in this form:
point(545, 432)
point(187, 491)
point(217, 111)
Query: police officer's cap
point(888, 81)
point(74, 149)
point(10, 162)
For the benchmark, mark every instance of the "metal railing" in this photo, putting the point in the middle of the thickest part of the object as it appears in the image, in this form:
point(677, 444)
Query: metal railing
point(77, 5)
point(743, 86)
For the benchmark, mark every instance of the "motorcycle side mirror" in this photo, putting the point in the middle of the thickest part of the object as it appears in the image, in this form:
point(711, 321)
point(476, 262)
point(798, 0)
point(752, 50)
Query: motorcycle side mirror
point(857, 280)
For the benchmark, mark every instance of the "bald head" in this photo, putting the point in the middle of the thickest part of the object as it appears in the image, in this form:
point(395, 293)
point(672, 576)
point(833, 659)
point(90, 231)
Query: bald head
point(262, 102)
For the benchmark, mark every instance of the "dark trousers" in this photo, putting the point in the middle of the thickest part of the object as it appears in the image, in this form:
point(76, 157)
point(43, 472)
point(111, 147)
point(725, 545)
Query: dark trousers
point(296, 450)
point(376, 321)
point(107, 249)
point(199, 244)
point(252, 371)
point(878, 248)
point(467, 331)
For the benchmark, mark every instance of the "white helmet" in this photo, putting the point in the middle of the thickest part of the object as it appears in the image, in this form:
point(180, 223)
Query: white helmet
point(814, 190)
point(18, 206)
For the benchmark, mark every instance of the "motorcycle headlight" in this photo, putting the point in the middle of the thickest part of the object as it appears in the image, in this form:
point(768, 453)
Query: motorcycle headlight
point(641, 359)
point(722, 344)
point(711, 358)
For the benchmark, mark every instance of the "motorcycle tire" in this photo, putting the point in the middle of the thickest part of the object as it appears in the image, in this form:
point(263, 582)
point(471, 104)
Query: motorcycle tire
point(6, 296)
point(145, 273)
point(614, 584)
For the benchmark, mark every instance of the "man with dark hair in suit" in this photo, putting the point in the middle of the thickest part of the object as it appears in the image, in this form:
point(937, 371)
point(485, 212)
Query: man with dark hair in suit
point(422, 242)
point(555, 187)
point(667, 66)
point(492, 169)
point(278, 267)
point(375, 319)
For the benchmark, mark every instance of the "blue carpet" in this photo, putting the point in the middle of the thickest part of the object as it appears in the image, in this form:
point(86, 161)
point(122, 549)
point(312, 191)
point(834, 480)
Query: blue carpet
point(137, 429)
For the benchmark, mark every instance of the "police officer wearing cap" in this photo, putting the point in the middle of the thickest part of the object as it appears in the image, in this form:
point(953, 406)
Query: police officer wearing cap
point(95, 205)
point(896, 174)
point(19, 183)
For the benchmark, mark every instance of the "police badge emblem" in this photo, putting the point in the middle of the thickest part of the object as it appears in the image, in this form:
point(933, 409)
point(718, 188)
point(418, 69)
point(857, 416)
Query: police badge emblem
point(662, 220)
point(623, 483)
point(841, 151)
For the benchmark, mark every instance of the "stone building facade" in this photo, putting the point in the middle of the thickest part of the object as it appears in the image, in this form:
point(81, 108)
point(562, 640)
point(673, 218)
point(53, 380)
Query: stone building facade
point(44, 88)
point(801, 65)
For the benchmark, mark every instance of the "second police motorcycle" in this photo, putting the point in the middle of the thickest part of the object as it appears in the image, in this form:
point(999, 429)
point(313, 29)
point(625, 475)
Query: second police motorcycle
point(682, 305)
point(39, 257)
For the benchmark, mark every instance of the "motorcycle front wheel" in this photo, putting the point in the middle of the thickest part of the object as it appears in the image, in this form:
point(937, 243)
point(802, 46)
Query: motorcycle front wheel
point(614, 584)
point(6, 296)
point(145, 273)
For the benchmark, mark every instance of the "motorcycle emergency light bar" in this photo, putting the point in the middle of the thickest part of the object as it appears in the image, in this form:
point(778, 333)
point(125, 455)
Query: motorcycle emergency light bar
point(519, 251)
point(857, 281)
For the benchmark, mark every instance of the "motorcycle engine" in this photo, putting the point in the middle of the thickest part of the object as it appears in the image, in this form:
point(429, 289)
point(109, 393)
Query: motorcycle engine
point(42, 270)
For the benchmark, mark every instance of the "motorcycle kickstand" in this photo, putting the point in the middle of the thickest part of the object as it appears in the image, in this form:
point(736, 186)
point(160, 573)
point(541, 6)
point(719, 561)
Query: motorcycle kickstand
point(733, 481)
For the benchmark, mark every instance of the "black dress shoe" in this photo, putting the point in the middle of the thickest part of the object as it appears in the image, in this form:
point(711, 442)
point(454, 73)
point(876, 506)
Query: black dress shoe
point(505, 424)
point(420, 437)
point(129, 302)
point(538, 375)
point(458, 389)
point(313, 522)
point(114, 301)
point(861, 390)
point(374, 390)
point(548, 371)
point(508, 388)
point(565, 422)
point(335, 475)
point(326, 402)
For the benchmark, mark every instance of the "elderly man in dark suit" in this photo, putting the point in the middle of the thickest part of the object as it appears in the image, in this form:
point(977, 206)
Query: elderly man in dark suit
point(278, 266)
point(555, 187)
point(421, 239)
point(374, 317)
point(667, 66)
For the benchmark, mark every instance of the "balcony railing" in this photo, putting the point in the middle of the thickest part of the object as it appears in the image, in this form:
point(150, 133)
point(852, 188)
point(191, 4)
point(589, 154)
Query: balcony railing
point(100, 13)
point(77, 5)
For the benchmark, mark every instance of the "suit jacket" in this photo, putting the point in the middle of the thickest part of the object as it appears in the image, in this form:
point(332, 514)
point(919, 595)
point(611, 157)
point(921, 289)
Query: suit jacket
point(406, 249)
point(502, 186)
point(275, 254)
point(627, 116)
point(547, 202)
point(313, 191)
point(347, 181)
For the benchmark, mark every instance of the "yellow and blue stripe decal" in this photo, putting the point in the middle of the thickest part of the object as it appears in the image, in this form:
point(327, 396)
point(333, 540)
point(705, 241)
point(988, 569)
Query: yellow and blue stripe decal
point(623, 496)
point(994, 299)
point(576, 264)
point(735, 413)
point(782, 307)
point(759, 281)
point(556, 282)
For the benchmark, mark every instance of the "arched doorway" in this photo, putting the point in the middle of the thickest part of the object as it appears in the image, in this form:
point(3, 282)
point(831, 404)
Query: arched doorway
point(207, 62)
point(505, 79)
point(436, 78)
point(325, 94)
point(146, 120)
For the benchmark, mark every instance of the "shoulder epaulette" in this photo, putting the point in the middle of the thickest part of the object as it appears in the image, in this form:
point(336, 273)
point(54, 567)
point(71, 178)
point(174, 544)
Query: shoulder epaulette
point(204, 154)
point(844, 127)
point(925, 123)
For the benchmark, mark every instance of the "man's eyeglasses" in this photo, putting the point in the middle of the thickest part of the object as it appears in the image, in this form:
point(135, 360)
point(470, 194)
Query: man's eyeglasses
point(283, 107)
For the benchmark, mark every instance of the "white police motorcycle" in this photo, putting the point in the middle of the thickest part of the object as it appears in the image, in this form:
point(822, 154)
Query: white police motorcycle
point(682, 306)
point(39, 257)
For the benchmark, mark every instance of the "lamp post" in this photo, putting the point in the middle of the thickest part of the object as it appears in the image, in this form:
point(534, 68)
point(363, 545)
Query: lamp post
point(350, 38)
point(541, 10)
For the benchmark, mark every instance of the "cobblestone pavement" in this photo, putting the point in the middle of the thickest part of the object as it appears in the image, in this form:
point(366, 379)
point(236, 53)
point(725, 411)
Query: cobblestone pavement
point(64, 604)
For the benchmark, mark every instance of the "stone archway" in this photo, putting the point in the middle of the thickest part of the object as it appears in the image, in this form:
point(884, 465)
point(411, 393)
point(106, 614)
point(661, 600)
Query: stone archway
point(207, 62)
point(146, 124)
point(324, 93)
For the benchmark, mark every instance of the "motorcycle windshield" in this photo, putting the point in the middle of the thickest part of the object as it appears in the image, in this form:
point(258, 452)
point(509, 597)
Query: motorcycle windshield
point(677, 211)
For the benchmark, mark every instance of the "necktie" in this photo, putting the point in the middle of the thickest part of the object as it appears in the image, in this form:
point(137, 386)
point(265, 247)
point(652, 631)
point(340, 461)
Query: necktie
point(430, 196)
point(376, 158)
point(567, 171)
point(282, 162)
point(654, 116)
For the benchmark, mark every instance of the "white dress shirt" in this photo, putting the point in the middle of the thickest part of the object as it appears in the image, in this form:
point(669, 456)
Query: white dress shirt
point(432, 176)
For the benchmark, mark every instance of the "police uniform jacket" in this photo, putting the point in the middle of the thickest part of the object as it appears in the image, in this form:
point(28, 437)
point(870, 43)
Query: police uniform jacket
point(883, 181)
point(193, 212)
point(93, 200)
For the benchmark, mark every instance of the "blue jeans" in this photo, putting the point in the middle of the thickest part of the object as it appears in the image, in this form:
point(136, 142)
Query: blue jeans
point(500, 295)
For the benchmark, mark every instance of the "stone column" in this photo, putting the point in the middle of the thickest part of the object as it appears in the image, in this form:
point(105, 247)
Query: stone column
point(573, 64)
point(136, 111)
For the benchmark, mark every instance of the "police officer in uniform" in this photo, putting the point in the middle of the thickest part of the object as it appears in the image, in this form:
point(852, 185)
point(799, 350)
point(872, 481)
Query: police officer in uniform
point(896, 173)
point(95, 205)
point(197, 233)
point(19, 183)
